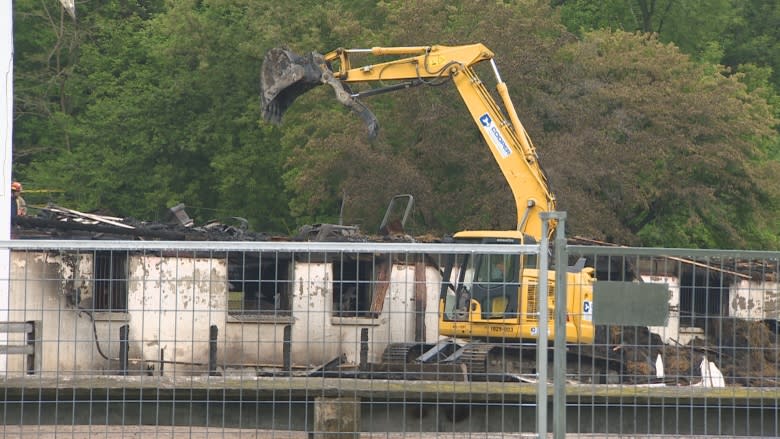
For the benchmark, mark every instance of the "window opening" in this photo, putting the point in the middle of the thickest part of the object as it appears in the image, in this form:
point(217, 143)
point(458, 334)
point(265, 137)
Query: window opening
point(353, 285)
point(110, 290)
point(496, 286)
point(259, 284)
point(702, 297)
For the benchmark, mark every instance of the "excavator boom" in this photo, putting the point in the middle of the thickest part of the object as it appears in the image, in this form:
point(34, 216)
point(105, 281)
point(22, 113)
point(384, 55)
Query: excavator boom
point(286, 75)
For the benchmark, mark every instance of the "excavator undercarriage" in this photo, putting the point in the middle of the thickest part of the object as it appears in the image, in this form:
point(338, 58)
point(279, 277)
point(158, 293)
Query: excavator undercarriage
point(481, 361)
point(458, 360)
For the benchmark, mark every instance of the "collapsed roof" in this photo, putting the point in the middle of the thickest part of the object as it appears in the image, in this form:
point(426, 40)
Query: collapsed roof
point(56, 222)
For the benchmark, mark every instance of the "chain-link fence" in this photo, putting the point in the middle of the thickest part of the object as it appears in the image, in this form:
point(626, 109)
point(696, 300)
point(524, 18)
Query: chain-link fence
point(250, 339)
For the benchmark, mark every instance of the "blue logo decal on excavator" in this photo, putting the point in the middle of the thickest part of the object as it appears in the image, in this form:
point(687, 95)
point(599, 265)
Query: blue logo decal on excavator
point(495, 135)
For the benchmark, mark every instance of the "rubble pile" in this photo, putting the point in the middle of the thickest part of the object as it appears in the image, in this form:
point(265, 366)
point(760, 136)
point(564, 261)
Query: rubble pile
point(56, 222)
point(747, 353)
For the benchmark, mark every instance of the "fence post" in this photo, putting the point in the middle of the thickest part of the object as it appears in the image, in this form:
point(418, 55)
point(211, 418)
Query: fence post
point(559, 358)
point(541, 338)
point(287, 348)
point(124, 348)
point(213, 333)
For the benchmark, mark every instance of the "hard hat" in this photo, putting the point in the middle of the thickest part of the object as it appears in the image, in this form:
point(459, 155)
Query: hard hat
point(16, 186)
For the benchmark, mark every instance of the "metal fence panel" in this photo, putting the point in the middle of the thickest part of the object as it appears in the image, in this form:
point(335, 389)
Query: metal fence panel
point(200, 339)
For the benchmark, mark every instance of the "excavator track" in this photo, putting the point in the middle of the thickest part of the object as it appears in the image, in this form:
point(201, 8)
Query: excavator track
point(475, 356)
point(402, 353)
point(480, 360)
point(419, 361)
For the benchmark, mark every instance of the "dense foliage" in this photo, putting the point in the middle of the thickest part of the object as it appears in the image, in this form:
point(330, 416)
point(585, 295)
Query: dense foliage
point(647, 136)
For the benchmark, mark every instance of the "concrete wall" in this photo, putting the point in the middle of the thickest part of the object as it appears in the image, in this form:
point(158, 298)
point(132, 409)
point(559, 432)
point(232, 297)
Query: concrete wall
point(749, 300)
point(42, 289)
point(174, 301)
point(671, 331)
point(318, 336)
point(325, 337)
point(755, 300)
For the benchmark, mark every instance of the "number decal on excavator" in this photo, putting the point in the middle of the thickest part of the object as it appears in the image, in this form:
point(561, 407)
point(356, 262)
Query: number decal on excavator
point(498, 140)
point(500, 329)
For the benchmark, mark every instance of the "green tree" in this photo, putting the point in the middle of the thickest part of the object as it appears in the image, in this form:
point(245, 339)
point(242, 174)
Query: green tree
point(754, 38)
point(695, 27)
point(718, 31)
point(46, 44)
point(136, 107)
point(677, 147)
point(642, 145)
point(165, 109)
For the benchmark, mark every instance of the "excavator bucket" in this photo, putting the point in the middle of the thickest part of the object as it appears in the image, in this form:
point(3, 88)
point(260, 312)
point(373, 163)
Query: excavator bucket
point(286, 75)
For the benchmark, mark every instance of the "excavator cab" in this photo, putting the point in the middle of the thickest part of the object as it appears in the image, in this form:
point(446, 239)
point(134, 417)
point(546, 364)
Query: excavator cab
point(489, 296)
point(483, 286)
point(495, 285)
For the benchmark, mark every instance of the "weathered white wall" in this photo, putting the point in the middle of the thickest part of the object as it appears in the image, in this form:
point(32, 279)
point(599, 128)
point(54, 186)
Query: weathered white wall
point(326, 337)
point(38, 292)
point(755, 300)
point(172, 303)
point(671, 331)
point(396, 323)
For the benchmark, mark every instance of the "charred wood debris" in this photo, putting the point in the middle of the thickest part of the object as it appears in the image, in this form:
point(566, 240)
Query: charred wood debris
point(56, 222)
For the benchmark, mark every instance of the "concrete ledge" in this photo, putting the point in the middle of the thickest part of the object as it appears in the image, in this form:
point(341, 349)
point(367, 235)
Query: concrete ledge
point(217, 388)
point(141, 432)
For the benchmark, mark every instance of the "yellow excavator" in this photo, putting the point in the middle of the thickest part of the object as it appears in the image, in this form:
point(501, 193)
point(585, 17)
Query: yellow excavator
point(488, 300)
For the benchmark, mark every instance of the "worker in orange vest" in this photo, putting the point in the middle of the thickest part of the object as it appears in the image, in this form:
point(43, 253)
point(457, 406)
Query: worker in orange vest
point(18, 205)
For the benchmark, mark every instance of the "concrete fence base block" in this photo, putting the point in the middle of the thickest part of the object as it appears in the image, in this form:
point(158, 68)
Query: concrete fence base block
point(336, 418)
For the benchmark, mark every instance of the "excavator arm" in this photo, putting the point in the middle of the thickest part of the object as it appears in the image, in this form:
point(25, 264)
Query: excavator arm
point(286, 75)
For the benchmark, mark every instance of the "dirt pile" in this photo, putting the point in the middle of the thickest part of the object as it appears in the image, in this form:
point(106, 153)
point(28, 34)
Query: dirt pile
point(746, 353)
